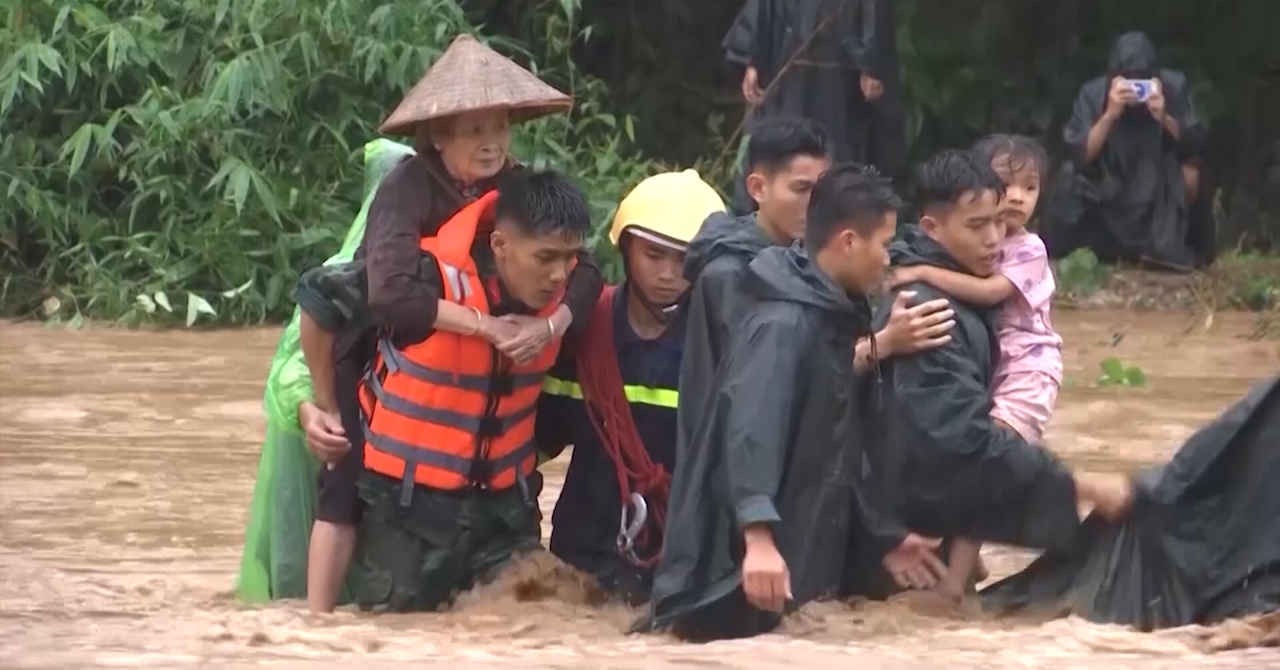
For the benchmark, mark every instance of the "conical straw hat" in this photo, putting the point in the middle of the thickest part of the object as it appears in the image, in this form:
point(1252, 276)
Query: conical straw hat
point(470, 77)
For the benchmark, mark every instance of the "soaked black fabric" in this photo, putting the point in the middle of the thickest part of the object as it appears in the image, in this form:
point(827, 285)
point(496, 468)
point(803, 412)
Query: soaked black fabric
point(1201, 545)
point(715, 264)
point(828, 44)
point(416, 558)
point(336, 498)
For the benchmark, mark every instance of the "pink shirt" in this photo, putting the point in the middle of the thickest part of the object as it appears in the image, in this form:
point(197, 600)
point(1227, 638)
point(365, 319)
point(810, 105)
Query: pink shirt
point(1028, 342)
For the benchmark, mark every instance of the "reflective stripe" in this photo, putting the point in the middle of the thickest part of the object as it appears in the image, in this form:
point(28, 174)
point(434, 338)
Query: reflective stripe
point(459, 281)
point(413, 457)
point(464, 422)
point(396, 362)
point(642, 395)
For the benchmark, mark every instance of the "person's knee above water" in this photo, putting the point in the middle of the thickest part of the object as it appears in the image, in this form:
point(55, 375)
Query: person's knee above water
point(955, 471)
point(760, 504)
point(461, 150)
point(613, 395)
point(1136, 144)
point(450, 482)
point(1029, 372)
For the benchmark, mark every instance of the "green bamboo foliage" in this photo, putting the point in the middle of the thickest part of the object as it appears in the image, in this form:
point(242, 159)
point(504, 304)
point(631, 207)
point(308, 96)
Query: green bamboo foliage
point(183, 160)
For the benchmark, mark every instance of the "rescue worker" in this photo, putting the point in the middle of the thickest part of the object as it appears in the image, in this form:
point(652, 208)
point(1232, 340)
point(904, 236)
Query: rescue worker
point(615, 397)
point(449, 481)
point(460, 116)
point(785, 158)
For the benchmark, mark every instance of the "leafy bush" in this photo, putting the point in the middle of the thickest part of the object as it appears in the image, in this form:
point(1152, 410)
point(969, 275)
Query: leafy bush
point(151, 149)
point(1080, 275)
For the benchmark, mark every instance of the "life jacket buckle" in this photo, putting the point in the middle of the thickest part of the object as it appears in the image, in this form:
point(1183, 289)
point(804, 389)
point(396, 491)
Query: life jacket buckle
point(503, 386)
point(489, 427)
point(630, 525)
point(481, 473)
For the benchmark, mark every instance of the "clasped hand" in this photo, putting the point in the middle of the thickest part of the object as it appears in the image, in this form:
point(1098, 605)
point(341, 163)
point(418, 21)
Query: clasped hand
point(518, 336)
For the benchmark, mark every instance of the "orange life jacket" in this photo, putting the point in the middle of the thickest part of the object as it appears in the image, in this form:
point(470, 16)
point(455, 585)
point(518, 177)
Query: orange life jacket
point(452, 409)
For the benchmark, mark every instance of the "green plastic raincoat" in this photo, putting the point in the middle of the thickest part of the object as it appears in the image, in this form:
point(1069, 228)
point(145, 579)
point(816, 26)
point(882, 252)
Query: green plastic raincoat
point(274, 564)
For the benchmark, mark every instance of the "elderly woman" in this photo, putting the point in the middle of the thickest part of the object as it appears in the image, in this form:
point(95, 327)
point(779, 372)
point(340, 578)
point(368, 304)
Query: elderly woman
point(460, 116)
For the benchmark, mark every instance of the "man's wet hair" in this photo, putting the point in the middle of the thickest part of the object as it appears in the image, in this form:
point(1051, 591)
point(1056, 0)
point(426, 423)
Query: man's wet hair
point(848, 197)
point(1021, 151)
point(949, 175)
point(775, 142)
point(543, 202)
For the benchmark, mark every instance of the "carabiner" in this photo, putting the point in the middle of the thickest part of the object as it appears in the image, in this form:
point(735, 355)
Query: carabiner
point(629, 526)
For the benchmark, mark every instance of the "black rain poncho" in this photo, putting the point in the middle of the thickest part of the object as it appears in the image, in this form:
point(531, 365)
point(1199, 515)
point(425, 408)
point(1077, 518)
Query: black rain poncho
point(1201, 545)
point(1130, 202)
point(781, 443)
point(849, 37)
point(715, 262)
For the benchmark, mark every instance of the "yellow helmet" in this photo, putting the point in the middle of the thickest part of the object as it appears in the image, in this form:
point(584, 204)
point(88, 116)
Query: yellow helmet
point(667, 208)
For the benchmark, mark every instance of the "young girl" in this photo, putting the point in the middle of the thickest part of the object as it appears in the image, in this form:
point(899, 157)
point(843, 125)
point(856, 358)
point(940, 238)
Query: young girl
point(1029, 371)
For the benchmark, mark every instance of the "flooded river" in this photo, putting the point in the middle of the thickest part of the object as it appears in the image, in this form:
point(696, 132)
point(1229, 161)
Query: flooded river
point(127, 462)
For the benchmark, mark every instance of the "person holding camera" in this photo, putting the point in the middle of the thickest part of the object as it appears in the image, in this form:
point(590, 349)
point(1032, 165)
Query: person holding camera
point(1132, 191)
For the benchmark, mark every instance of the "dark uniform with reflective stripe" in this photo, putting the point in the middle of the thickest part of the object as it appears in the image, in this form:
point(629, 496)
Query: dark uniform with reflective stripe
point(586, 518)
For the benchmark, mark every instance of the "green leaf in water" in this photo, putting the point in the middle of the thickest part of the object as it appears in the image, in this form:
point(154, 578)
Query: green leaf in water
point(1113, 369)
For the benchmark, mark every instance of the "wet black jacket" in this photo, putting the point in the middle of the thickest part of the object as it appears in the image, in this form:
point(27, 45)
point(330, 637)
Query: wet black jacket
point(956, 473)
point(715, 263)
point(780, 443)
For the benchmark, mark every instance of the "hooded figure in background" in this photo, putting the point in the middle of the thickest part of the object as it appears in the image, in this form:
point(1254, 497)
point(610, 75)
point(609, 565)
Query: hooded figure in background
point(834, 62)
point(1132, 191)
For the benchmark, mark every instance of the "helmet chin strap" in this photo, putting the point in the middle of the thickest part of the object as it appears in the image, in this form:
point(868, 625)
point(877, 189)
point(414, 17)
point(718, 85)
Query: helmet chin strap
point(661, 313)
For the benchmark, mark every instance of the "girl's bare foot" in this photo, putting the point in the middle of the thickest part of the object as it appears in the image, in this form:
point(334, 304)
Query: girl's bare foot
point(980, 571)
point(950, 591)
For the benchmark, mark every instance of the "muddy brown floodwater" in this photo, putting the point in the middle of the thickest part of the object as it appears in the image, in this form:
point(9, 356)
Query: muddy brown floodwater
point(127, 462)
